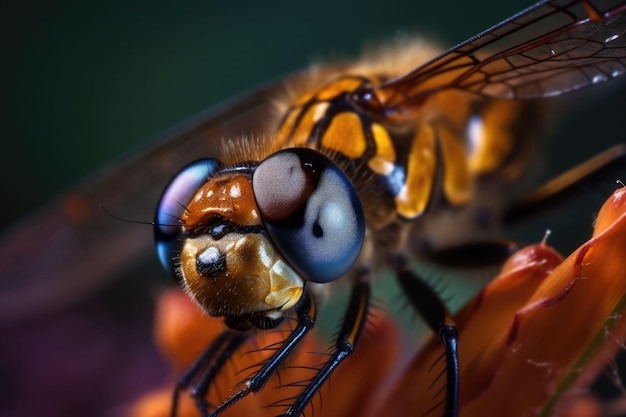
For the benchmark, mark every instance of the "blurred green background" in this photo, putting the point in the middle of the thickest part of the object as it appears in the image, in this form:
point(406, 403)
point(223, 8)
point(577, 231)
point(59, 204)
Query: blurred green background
point(83, 83)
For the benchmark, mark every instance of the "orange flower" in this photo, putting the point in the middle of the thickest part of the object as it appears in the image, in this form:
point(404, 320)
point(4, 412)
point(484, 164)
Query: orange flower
point(538, 335)
point(530, 343)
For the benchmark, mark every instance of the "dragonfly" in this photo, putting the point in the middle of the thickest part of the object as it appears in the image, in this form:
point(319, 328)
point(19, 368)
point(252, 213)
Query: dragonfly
point(391, 96)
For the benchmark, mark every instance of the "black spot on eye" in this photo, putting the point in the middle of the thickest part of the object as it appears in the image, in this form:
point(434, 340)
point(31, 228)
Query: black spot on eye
point(211, 266)
point(317, 230)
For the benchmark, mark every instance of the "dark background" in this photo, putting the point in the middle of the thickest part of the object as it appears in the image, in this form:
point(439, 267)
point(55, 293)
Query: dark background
point(83, 84)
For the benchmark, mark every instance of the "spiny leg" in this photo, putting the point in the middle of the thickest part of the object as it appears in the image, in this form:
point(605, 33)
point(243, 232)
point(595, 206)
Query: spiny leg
point(306, 311)
point(428, 304)
point(353, 323)
point(207, 366)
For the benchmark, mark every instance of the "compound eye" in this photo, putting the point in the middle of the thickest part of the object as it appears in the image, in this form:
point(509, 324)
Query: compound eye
point(171, 206)
point(311, 211)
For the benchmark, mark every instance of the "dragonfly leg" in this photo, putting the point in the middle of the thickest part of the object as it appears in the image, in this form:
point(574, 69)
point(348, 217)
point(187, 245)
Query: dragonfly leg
point(205, 368)
point(429, 305)
point(199, 376)
point(306, 310)
point(353, 323)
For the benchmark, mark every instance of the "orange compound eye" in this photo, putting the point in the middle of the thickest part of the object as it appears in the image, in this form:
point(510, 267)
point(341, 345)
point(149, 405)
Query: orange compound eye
point(311, 212)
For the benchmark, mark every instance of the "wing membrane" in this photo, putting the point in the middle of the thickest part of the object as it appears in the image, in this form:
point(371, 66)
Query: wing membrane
point(70, 248)
point(551, 48)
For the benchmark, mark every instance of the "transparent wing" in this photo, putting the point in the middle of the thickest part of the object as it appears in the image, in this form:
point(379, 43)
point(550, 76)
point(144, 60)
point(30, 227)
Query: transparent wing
point(71, 248)
point(548, 49)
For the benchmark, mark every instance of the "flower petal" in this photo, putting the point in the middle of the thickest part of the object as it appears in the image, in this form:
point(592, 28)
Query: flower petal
point(533, 334)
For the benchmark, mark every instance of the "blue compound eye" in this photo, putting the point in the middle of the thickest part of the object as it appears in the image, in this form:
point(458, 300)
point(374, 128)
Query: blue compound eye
point(311, 212)
point(177, 194)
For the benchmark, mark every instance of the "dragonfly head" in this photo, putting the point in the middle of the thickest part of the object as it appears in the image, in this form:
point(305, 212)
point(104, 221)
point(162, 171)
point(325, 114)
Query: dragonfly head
point(245, 238)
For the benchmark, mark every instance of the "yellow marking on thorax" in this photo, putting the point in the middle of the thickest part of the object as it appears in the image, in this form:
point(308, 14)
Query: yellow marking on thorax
point(345, 135)
point(297, 128)
point(383, 162)
point(284, 131)
point(491, 137)
point(338, 87)
point(294, 132)
point(307, 122)
point(416, 192)
point(457, 181)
